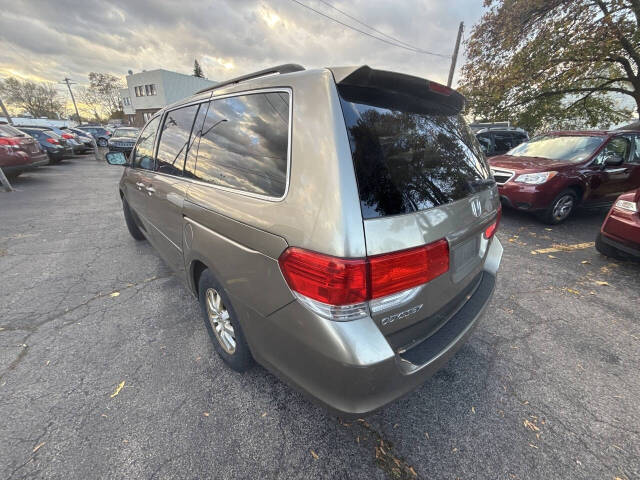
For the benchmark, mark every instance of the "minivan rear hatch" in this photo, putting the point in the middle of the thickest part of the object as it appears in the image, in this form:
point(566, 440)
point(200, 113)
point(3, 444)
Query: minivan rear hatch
point(422, 178)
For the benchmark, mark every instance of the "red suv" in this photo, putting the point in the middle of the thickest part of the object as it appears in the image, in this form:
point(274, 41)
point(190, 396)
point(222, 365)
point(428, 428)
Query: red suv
point(19, 151)
point(554, 172)
point(620, 232)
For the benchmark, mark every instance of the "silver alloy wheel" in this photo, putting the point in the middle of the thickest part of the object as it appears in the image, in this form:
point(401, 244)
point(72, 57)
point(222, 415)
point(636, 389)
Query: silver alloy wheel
point(220, 321)
point(563, 207)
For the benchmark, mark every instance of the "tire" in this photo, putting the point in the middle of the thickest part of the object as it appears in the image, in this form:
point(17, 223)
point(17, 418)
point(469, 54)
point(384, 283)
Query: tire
point(134, 230)
point(607, 250)
point(225, 334)
point(102, 142)
point(561, 207)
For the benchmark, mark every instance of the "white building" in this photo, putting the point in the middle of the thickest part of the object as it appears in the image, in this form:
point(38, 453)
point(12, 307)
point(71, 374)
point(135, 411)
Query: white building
point(149, 91)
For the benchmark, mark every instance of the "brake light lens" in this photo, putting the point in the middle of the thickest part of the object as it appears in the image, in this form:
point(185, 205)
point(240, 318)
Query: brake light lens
point(335, 281)
point(338, 288)
point(67, 135)
point(439, 88)
point(398, 271)
point(52, 140)
point(491, 229)
point(9, 141)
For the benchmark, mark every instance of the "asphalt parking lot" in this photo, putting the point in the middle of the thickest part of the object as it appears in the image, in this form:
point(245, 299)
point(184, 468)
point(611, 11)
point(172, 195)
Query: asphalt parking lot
point(106, 370)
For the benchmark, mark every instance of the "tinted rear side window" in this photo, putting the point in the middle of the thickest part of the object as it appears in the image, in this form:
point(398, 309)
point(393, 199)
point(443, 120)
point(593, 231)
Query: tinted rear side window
point(406, 161)
point(244, 144)
point(175, 139)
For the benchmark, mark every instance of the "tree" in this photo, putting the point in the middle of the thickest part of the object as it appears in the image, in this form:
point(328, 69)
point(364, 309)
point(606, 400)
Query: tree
point(90, 101)
point(544, 63)
point(104, 91)
point(38, 99)
point(197, 70)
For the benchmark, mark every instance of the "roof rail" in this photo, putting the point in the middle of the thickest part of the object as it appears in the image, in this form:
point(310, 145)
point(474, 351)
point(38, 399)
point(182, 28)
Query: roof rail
point(280, 69)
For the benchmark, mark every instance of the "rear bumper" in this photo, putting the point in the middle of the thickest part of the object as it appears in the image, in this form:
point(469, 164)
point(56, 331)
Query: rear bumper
point(622, 232)
point(350, 367)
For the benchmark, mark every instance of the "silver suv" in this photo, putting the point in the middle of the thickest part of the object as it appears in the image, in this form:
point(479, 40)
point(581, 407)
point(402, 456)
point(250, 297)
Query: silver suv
point(336, 225)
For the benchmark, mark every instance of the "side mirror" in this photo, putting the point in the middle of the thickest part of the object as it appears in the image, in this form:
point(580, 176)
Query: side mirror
point(613, 160)
point(116, 158)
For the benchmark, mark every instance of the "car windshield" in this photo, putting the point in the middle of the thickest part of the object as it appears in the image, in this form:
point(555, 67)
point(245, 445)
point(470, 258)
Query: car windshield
point(564, 148)
point(125, 132)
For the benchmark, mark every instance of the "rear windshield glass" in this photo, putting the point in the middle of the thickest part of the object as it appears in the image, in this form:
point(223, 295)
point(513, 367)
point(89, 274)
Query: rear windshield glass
point(563, 148)
point(407, 162)
point(9, 131)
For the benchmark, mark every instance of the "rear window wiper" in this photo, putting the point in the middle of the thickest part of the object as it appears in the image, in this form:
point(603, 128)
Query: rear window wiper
point(477, 185)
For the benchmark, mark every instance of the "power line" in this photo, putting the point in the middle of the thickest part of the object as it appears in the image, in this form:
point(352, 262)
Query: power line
point(394, 43)
point(370, 27)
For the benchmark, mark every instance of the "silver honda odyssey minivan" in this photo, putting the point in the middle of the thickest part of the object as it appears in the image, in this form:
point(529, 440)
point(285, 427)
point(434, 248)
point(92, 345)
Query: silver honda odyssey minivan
point(336, 225)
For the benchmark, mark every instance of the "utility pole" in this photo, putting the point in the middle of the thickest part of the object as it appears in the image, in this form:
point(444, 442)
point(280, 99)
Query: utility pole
point(4, 183)
point(69, 83)
point(454, 59)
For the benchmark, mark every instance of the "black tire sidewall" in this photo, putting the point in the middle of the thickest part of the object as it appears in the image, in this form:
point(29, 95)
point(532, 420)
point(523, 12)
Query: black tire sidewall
point(548, 214)
point(241, 360)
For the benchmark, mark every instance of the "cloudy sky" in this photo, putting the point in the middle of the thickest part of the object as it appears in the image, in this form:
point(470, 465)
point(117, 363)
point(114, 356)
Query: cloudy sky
point(48, 40)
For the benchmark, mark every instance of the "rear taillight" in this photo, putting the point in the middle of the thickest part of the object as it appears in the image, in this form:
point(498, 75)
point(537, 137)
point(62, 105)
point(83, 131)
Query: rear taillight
point(491, 229)
point(339, 288)
point(9, 141)
point(439, 88)
point(398, 271)
point(67, 135)
point(53, 141)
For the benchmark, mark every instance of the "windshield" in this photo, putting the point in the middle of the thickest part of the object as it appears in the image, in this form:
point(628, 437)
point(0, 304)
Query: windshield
point(407, 162)
point(125, 132)
point(572, 149)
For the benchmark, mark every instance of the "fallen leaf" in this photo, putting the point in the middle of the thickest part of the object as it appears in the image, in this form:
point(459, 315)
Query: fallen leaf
point(532, 445)
point(531, 426)
point(264, 414)
point(601, 283)
point(585, 262)
point(120, 386)
point(206, 414)
point(104, 415)
point(413, 472)
point(396, 425)
point(571, 290)
point(592, 293)
point(533, 252)
point(426, 434)
point(314, 455)
point(548, 229)
point(473, 409)
point(114, 294)
point(551, 256)
point(38, 447)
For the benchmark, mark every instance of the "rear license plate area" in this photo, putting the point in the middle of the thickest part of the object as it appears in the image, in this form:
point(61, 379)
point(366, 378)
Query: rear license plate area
point(465, 257)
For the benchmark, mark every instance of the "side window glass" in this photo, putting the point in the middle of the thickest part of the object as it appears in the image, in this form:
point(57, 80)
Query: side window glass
point(142, 156)
point(635, 157)
point(618, 146)
point(485, 142)
point(244, 143)
point(175, 139)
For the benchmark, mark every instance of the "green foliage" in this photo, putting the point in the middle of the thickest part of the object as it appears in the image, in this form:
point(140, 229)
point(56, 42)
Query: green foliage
point(38, 99)
point(554, 63)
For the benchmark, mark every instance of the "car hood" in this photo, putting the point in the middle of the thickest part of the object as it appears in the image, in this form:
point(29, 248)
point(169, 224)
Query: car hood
point(527, 164)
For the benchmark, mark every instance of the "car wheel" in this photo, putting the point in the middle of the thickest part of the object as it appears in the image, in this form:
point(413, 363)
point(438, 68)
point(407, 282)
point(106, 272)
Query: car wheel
point(560, 208)
point(102, 142)
point(607, 250)
point(222, 324)
point(132, 226)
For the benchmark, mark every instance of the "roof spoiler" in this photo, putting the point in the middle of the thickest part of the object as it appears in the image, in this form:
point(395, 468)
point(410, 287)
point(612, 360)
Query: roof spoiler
point(395, 90)
point(279, 69)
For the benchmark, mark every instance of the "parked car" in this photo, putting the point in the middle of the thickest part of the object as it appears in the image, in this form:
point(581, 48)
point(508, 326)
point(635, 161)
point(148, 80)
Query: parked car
point(101, 134)
point(336, 225)
point(499, 140)
point(620, 232)
point(83, 138)
point(19, 152)
point(123, 139)
point(70, 139)
point(553, 173)
point(53, 144)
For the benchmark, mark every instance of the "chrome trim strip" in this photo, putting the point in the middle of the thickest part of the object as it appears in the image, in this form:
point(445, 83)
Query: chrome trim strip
point(502, 170)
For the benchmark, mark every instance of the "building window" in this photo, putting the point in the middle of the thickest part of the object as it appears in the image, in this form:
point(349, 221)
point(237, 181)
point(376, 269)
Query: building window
point(150, 90)
point(139, 91)
point(126, 101)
